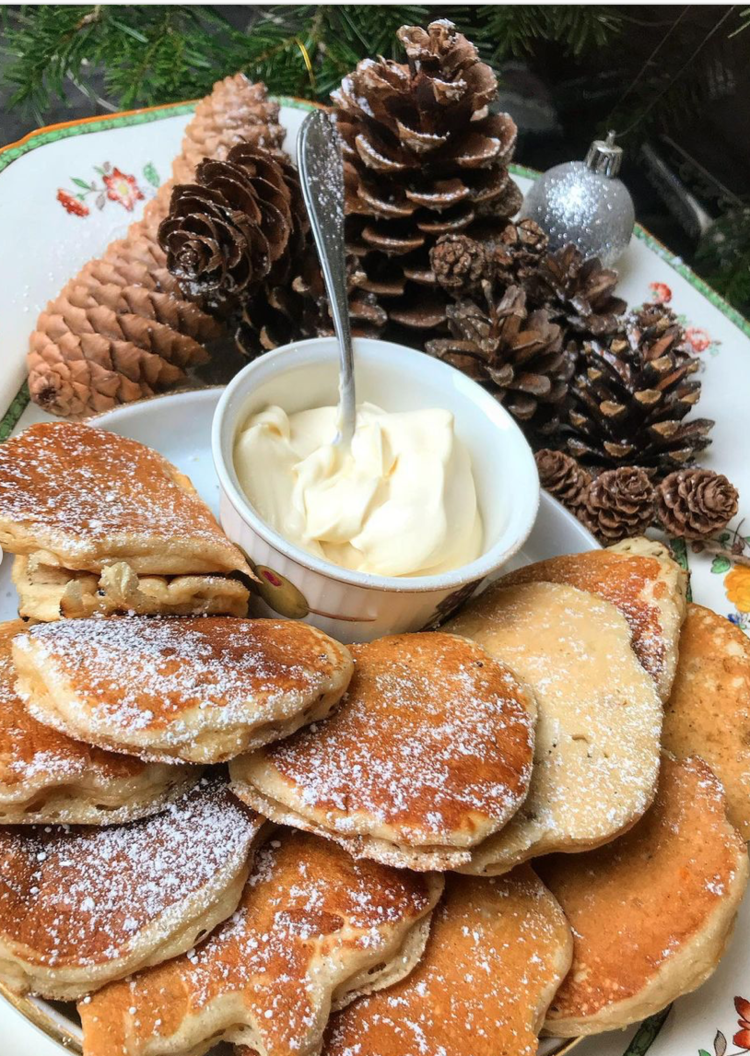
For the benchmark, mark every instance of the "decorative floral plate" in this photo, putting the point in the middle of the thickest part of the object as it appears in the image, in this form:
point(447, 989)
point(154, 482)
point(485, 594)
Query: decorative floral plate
point(68, 190)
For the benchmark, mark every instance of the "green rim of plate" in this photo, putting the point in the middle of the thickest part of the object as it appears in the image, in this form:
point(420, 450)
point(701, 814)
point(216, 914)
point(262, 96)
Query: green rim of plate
point(40, 139)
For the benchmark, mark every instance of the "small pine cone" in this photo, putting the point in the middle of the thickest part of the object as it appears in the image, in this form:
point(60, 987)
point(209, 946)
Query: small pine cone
point(459, 263)
point(695, 503)
point(226, 231)
point(562, 476)
point(618, 504)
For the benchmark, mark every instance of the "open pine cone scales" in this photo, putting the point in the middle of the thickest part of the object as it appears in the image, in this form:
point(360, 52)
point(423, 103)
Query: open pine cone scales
point(516, 354)
point(228, 230)
point(631, 395)
point(576, 292)
point(236, 111)
point(424, 158)
point(122, 329)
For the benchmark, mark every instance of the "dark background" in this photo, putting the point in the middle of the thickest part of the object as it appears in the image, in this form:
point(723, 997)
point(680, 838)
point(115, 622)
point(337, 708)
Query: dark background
point(686, 108)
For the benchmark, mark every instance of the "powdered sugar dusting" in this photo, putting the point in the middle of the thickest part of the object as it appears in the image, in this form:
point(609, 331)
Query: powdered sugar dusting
point(33, 755)
point(310, 917)
point(496, 949)
point(597, 751)
point(650, 908)
point(643, 588)
point(71, 487)
point(178, 675)
point(79, 896)
point(433, 741)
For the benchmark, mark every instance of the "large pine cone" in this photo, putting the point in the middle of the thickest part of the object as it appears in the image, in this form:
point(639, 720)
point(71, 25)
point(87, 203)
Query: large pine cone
point(423, 158)
point(230, 230)
point(631, 395)
point(94, 346)
point(516, 354)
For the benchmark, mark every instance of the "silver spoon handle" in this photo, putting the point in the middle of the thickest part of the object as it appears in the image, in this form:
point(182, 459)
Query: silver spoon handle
point(321, 171)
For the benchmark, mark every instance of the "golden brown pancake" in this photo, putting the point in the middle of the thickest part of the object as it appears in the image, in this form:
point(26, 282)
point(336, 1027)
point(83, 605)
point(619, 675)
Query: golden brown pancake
point(643, 582)
point(83, 498)
point(47, 777)
point(47, 592)
point(708, 712)
point(80, 906)
point(651, 913)
point(430, 752)
point(310, 926)
point(200, 689)
point(498, 949)
point(597, 739)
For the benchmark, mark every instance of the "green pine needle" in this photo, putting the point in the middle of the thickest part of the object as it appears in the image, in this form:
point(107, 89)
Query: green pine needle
point(161, 54)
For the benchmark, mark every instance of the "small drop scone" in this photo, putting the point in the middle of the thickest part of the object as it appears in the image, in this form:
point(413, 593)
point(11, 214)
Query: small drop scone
point(197, 689)
point(642, 580)
point(313, 930)
point(429, 753)
point(652, 912)
point(47, 777)
point(77, 499)
point(81, 906)
point(708, 712)
point(497, 952)
point(597, 739)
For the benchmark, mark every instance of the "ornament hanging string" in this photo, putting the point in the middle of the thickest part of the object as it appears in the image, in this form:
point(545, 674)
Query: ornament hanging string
point(670, 84)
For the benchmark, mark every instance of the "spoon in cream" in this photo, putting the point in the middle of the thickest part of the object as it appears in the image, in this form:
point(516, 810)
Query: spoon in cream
point(321, 170)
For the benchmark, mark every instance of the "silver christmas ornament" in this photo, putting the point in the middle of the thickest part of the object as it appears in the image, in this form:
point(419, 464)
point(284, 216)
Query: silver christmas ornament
point(583, 202)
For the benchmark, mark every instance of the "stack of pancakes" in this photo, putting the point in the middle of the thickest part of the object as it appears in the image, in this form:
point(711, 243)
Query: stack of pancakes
point(430, 845)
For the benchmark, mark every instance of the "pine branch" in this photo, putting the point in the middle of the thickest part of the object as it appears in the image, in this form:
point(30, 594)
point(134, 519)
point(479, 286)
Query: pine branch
point(744, 17)
point(723, 257)
point(512, 30)
point(164, 53)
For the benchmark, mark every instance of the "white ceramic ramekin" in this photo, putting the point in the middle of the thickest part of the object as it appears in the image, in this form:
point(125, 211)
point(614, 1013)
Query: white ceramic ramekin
point(353, 606)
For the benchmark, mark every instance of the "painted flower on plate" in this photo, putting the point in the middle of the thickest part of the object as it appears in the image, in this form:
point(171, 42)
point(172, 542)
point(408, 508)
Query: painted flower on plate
point(742, 1037)
point(660, 292)
point(122, 188)
point(698, 339)
point(737, 587)
point(71, 204)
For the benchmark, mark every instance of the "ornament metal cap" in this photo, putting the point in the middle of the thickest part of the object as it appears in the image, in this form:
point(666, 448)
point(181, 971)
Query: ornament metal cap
point(604, 156)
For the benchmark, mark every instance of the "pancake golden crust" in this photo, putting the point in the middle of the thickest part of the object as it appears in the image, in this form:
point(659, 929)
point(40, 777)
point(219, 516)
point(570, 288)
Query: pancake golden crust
point(83, 498)
point(311, 922)
point(48, 593)
point(652, 912)
point(708, 712)
point(644, 583)
point(597, 739)
point(81, 906)
point(199, 689)
point(430, 752)
point(46, 777)
point(498, 950)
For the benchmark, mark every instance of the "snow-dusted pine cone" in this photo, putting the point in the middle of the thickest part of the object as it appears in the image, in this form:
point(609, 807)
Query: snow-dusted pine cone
point(424, 157)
